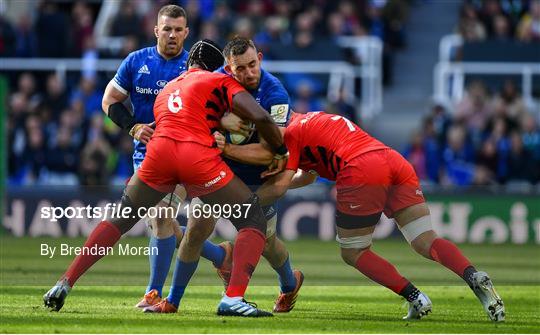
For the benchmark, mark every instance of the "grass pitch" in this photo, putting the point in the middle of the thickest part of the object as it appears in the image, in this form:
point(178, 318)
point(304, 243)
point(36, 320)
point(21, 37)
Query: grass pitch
point(334, 298)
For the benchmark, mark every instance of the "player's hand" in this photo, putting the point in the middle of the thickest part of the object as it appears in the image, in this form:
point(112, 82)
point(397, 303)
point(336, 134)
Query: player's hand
point(277, 165)
point(143, 132)
point(220, 140)
point(234, 124)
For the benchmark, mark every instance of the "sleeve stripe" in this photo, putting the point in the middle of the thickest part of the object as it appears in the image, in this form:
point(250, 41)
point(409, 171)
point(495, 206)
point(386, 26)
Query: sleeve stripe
point(118, 87)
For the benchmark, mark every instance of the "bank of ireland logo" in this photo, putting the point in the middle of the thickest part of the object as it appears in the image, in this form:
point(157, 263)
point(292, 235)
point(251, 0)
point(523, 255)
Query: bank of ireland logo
point(175, 102)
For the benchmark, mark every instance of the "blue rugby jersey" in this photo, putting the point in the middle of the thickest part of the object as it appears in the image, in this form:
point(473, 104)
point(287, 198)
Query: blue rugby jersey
point(142, 75)
point(272, 97)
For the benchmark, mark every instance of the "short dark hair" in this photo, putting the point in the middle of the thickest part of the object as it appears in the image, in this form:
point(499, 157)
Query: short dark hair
point(173, 11)
point(207, 54)
point(238, 46)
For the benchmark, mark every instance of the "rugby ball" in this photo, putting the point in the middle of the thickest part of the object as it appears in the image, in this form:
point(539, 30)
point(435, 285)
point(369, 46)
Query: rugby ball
point(237, 138)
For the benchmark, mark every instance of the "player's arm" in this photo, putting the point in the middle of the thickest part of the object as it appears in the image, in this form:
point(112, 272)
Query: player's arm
point(247, 108)
point(232, 123)
point(113, 106)
point(275, 187)
point(302, 178)
point(252, 154)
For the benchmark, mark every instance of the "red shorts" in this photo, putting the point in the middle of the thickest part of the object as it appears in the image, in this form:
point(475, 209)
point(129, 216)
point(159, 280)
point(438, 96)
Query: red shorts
point(377, 181)
point(199, 168)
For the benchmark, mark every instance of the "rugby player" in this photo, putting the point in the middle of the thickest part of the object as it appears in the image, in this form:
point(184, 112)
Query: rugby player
point(141, 76)
point(371, 178)
point(243, 62)
point(187, 111)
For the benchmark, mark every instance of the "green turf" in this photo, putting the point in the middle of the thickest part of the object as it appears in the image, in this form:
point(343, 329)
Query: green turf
point(334, 299)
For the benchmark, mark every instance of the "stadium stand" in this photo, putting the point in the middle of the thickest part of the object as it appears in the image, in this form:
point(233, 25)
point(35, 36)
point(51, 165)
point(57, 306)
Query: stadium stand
point(490, 133)
point(56, 132)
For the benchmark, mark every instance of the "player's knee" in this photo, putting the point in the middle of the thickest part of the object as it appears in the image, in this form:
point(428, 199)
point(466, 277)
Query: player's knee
point(420, 235)
point(161, 223)
point(352, 247)
point(270, 244)
point(195, 236)
point(124, 224)
point(350, 256)
point(422, 244)
point(253, 218)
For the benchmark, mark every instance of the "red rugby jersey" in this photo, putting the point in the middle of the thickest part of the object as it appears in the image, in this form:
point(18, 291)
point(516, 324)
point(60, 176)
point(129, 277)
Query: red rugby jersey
point(325, 143)
point(190, 107)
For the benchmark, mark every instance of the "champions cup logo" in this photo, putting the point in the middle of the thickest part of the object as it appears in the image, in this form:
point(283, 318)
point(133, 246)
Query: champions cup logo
point(175, 102)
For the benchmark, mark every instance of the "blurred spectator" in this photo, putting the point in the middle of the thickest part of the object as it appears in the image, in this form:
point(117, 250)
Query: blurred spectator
point(243, 27)
point(475, 109)
point(194, 20)
point(396, 13)
point(416, 155)
point(487, 161)
point(469, 26)
point(74, 121)
point(122, 159)
point(509, 100)
point(34, 154)
point(458, 158)
point(305, 95)
point(89, 95)
point(82, 27)
point(351, 22)
point(61, 160)
point(27, 87)
point(7, 38)
point(127, 22)
point(521, 166)
point(502, 144)
point(25, 37)
point(55, 97)
point(210, 31)
point(529, 25)
point(501, 29)
point(441, 122)
point(531, 136)
point(52, 30)
point(223, 18)
point(489, 10)
point(424, 152)
point(275, 32)
point(342, 107)
point(93, 164)
point(256, 12)
point(129, 45)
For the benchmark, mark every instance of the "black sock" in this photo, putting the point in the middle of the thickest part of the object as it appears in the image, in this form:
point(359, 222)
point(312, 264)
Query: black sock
point(410, 292)
point(468, 275)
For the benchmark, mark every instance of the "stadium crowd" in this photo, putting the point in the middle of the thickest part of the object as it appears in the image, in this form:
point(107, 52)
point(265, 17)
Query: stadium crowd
point(56, 131)
point(491, 136)
point(500, 20)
